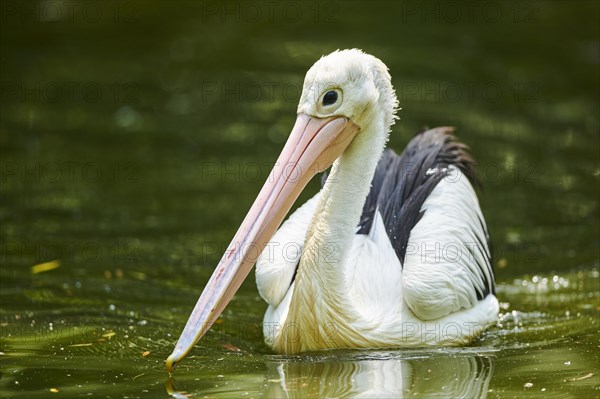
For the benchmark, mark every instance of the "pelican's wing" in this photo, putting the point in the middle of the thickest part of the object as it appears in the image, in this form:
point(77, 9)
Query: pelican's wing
point(433, 220)
point(276, 266)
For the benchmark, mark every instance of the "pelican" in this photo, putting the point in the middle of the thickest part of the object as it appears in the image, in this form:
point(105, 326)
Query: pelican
point(392, 251)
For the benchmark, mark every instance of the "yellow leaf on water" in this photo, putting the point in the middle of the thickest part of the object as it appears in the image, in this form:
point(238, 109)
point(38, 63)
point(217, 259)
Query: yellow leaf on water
point(109, 335)
point(146, 353)
point(54, 390)
point(45, 267)
point(231, 347)
point(585, 377)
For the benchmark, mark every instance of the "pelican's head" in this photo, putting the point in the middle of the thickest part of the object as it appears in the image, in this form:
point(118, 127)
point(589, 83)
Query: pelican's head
point(344, 93)
point(351, 84)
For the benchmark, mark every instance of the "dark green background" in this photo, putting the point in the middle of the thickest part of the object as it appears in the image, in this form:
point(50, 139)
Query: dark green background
point(135, 135)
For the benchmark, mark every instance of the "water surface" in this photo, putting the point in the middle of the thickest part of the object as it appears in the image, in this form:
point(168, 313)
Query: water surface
point(133, 144)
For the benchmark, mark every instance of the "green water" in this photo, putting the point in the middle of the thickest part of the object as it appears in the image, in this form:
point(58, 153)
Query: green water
point(135, 135)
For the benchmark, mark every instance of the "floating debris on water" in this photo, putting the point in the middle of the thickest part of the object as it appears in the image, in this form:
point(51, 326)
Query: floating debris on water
point(584, 377)
point(45, 267)
point(231, 347)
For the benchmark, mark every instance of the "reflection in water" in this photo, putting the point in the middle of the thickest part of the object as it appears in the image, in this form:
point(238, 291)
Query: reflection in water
point(171, 390)
point(444, 376)
point(372, 375)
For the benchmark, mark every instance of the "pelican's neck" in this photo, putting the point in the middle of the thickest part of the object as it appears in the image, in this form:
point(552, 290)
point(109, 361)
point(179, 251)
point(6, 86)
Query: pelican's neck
point(321, 286)
point(337, 216)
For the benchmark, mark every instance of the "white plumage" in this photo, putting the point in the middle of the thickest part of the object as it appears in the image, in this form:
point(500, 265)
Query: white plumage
point(279, 259)
point(429, 302)
point(362, 296)
point(441, 269)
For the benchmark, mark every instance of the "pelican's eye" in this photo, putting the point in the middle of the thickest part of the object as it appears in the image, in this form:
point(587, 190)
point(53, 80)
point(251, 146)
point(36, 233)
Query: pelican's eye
point(329, 101)
point(330, 97)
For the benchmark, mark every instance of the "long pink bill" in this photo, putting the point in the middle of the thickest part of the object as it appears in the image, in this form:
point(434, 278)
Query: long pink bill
point(313, 145)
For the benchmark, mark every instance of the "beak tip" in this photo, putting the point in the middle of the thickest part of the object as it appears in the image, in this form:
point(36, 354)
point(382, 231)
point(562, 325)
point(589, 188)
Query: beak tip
point(170, 364)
